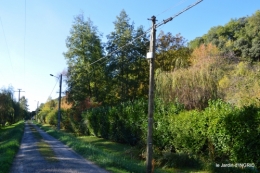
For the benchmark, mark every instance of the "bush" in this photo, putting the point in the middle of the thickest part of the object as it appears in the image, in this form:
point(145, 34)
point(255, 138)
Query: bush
point(179, 160)
point(52, 117)
point(244, 129)
point(121, 123)
point(218, 134)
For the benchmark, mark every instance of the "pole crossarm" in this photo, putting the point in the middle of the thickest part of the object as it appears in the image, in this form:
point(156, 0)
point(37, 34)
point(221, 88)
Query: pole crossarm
point(19, 91)
point(170, 18)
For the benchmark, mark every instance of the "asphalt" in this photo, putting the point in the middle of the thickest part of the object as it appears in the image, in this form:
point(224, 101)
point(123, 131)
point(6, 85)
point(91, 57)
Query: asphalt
point(29, 160)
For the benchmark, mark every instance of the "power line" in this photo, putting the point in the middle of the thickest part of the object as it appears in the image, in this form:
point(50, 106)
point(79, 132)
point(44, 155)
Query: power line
point(120, 48)
point(52, 90)
point(150, 55)
point(7, 46)
point(157, 25)
point(19, 91)
point(24, 41)
point(170, 18)
point(147, 31)
point(175, 5)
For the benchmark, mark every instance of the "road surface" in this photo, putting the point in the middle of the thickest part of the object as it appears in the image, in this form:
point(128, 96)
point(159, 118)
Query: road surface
point(29, 159)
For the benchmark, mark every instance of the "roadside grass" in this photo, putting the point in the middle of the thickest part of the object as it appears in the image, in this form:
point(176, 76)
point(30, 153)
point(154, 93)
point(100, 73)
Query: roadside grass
point(43, 147)
point(10, 139)
point(114, 157)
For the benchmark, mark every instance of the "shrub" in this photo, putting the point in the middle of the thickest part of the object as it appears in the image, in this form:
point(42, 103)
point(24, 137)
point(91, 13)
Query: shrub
point(52, 117)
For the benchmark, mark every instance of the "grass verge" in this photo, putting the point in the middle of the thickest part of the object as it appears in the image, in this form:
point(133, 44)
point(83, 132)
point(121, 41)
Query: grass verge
point(114, 157)
point(43, 147)
point(10, 139)
point(111, 156)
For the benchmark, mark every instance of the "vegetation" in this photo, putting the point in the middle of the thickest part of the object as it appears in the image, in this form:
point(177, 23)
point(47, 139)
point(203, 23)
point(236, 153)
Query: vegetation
point(240, 37)
point(10, 138)
point(10, 110)
point(210, 77)
point(207, 94)
point(114, 157)
point(44, 148)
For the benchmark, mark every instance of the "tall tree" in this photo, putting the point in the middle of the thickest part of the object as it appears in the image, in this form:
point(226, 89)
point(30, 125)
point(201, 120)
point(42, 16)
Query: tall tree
point(10, 110)
point(84, 46)
point(125, 65)
point(171, 53)
point(24, 108)
point(6, 109)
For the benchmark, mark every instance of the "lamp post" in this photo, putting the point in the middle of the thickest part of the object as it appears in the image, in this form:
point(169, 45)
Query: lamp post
point(36, 115)
point(59, 113)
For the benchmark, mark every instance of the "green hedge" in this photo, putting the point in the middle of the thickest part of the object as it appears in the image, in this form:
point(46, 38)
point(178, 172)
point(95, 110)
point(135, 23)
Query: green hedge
point(220, 134)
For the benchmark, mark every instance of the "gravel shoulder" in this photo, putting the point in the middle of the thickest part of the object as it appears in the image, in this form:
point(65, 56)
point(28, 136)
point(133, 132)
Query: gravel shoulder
point(29, 159)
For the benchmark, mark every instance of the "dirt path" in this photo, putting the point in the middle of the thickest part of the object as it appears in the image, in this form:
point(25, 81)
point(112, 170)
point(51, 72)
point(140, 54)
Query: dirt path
point(29, 159)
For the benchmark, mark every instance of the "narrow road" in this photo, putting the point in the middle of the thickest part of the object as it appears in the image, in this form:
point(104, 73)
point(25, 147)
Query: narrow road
point(29, 159)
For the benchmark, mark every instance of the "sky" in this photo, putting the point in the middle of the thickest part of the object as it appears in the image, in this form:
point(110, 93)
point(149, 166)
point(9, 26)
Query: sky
point(33, 33)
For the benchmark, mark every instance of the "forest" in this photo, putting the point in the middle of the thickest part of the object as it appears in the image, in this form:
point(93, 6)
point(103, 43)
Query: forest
point(207, 91)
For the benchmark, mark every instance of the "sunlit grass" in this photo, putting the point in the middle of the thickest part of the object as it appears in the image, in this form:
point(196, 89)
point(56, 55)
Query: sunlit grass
point(43, 147)
point(10, 138)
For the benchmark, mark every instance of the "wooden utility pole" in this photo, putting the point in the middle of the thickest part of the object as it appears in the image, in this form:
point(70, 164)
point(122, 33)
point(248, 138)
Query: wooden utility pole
point(59, 113)
point(151, 56)
point(19, 90)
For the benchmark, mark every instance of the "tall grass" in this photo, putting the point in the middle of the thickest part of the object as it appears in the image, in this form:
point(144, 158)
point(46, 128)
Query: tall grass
point(211, 77)
point(10, 138)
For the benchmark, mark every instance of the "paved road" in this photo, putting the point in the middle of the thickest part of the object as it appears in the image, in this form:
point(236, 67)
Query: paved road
point(29, 160)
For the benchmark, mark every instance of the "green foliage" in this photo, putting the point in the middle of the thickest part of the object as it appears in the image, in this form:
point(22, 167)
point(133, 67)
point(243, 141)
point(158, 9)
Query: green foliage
point(243, 128)
point(193, 86)
point(127, 122)
point(179, 160)
point(240, 36)
point(121, 123)
point(52, 117)
point(10, 110)
point(127, 69)
point(210, 76)
point(240, 85)
point(191, 123)
point(171, 52)
point(84, 47)
point(10, 138)
point(223, 133)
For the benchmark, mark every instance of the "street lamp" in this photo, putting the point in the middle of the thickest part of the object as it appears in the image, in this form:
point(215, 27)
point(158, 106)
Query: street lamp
point(36, 116)
point(59, 114)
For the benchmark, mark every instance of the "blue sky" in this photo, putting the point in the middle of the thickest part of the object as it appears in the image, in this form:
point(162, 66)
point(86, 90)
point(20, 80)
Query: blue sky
point(33, 32)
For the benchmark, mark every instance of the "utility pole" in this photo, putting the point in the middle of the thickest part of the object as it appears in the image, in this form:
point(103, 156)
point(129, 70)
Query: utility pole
point(36, 116)
point(59, 113)
point(19, 90)
point(151, 56)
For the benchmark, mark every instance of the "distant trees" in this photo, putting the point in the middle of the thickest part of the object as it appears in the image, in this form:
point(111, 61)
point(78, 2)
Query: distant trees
point(240, 36)
point(10, 110)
